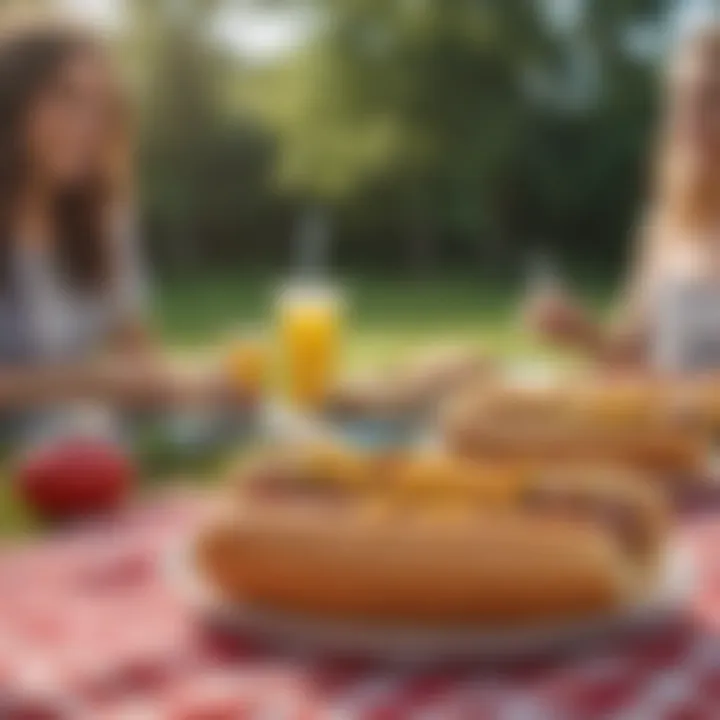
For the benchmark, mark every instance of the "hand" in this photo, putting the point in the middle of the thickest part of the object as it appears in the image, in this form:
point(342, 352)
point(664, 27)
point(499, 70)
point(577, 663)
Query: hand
point(135, 383)
point(158, 385)
point(210, 387)
point(556, 317)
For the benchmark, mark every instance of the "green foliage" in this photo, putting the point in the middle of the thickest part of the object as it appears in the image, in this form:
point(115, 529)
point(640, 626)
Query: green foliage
point(439, 133)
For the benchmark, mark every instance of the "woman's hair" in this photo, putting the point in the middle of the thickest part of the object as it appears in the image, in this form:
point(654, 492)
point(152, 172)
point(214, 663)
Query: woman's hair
point(31, 55)
point(680, 203)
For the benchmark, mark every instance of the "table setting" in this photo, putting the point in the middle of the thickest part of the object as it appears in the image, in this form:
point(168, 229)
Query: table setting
point(445, 537)
point(59, 659)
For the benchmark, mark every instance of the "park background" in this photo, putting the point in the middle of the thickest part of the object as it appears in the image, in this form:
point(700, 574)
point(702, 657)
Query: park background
point(445, 146)
point(441, 149)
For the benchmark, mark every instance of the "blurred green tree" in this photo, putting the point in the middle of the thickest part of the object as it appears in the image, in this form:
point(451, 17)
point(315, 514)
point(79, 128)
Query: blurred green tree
point(438, 133)
point(407, 113)
point(173, 67)
point(452, 131)
point(204, 167)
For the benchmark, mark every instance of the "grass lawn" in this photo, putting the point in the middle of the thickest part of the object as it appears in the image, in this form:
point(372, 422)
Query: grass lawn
point(386, 316)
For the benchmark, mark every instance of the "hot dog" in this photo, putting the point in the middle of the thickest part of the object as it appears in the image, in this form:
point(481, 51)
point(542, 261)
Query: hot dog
point(621, 425)
point(435, 542)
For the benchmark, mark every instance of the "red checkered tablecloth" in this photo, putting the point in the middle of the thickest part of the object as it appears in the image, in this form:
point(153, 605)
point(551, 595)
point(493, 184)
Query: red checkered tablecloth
point(89, 629)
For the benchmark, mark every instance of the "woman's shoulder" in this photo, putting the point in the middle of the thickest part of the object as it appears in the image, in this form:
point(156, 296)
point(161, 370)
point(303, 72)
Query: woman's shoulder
point(677, 252)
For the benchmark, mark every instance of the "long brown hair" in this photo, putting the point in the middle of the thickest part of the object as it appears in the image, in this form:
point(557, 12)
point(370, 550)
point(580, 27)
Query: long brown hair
point(31, 53)
point(682, 205)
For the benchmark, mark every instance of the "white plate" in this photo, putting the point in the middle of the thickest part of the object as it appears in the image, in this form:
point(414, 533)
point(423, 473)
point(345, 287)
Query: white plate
point(675, 585)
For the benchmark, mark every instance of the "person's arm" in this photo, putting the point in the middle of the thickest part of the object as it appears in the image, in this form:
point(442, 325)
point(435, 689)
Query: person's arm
point(623, 341)
point(625, 337)
point(117, 382)
point(122, 381)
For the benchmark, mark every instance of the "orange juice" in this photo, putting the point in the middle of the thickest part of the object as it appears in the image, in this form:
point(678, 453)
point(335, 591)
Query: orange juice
point(310, 325)
point(247, 363)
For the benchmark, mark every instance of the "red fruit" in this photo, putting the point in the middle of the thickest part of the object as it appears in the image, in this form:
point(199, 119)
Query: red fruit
point(75, 477)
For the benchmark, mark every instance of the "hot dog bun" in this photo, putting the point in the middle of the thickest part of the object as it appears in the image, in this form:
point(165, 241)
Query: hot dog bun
point(503, 569)
point(429, 538)
point(615, 424)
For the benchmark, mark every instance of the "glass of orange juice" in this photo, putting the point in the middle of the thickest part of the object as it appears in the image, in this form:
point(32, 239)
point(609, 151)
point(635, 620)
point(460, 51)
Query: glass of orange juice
point(310, 318)
point(247, 361)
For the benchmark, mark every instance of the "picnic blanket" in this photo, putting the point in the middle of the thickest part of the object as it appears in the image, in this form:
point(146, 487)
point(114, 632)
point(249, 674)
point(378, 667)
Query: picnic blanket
point(89, 628)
